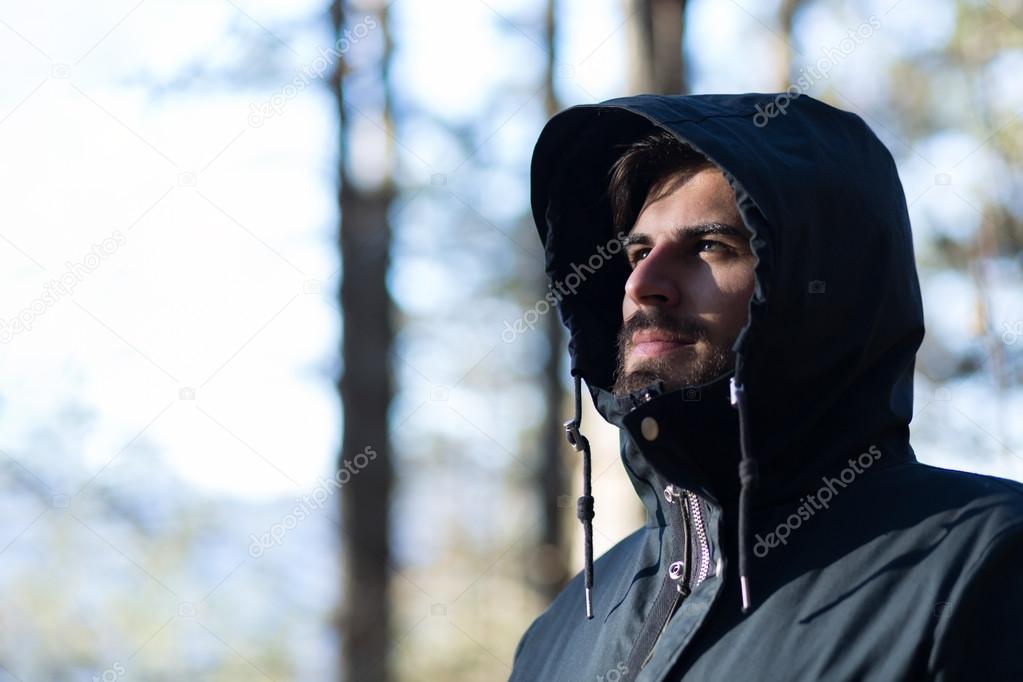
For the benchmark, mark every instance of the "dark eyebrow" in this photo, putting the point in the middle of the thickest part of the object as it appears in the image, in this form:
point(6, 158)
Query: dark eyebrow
point(680, 232)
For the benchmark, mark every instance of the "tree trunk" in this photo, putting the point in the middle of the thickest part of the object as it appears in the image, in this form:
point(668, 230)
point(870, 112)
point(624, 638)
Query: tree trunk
point(786, 22)
point(366, 390)
point(552, 477)
point(655, 39)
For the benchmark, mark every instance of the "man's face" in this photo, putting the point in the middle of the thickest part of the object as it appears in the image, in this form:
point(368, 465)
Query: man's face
point(692, 278)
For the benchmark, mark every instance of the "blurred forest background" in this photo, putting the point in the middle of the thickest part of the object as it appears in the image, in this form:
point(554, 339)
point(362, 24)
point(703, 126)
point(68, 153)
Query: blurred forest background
point(261, 417)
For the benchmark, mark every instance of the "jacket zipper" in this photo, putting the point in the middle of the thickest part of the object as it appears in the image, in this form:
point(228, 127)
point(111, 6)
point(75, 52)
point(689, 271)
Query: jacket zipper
point(679, 596)
point(674, 497)
point(692, 521)
point(703, 546)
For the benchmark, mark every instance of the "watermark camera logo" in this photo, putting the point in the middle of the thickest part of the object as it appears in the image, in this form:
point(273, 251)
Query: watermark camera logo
point(1012, 333)
point(315, 70)
point(817, 71)
point(111, 674)
point(560, 290)
point(63, 286)
point(310, 502)
point(615, 674)
point(810, 504)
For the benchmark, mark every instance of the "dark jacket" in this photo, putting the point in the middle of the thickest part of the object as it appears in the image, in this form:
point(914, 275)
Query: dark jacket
point(862, 563)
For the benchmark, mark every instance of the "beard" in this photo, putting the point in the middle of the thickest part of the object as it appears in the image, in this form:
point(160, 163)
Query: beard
point(687, 366)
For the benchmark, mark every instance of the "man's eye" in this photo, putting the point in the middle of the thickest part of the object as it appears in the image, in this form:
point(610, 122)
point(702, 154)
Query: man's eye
point(711, 245)
point(637, 255)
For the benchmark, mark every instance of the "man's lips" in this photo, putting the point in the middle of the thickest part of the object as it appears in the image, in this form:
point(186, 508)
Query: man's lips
point(650, 343)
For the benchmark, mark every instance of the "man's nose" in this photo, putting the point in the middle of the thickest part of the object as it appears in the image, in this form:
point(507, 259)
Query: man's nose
point(652, 283)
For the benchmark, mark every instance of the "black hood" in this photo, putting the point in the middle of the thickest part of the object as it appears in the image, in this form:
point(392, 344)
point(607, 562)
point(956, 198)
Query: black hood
point(825, 361)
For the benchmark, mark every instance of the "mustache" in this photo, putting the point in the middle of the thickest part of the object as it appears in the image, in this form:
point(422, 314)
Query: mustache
point(686, 328)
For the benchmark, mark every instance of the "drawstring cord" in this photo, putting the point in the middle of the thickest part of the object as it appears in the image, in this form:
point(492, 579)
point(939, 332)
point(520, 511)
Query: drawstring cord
point(748, 478)
point(584, 505)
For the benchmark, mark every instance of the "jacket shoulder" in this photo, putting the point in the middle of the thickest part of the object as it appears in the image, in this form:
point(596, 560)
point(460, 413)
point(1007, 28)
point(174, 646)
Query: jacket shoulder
point(967, 510)
point(962, 487)
point(561, 628)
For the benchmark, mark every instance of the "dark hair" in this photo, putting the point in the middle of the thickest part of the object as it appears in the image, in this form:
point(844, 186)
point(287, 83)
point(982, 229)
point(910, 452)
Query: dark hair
point(643, 171)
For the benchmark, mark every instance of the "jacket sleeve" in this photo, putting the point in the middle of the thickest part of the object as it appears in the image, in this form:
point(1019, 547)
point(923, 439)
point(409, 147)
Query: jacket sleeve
point(980, 630)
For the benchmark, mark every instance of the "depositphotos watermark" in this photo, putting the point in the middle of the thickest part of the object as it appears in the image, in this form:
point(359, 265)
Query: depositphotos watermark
point(324, 60)
point(111, 674)
point(615, 674)
point(64, 285)
point(1012, 333)
point(310, 502)
point(558, 291)
point(817, 71)
point(810, 504)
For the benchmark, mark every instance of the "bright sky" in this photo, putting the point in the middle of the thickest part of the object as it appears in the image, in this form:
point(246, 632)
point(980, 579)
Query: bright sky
point(218, 280)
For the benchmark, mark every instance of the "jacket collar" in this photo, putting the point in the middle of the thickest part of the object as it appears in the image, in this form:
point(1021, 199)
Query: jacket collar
point(676, 437)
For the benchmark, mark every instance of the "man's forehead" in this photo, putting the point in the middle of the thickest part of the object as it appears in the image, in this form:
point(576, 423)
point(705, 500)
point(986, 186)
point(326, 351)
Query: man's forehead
point(704, 198)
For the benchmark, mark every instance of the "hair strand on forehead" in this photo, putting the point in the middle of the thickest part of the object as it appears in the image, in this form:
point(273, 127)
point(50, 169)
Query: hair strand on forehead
point(649, 168)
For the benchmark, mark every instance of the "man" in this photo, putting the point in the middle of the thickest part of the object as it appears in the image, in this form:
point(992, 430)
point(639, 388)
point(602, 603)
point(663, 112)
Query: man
point(754, 341)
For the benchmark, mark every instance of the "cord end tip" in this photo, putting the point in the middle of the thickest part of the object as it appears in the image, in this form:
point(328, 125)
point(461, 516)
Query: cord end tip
point(744, 587)
point(589, 603)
